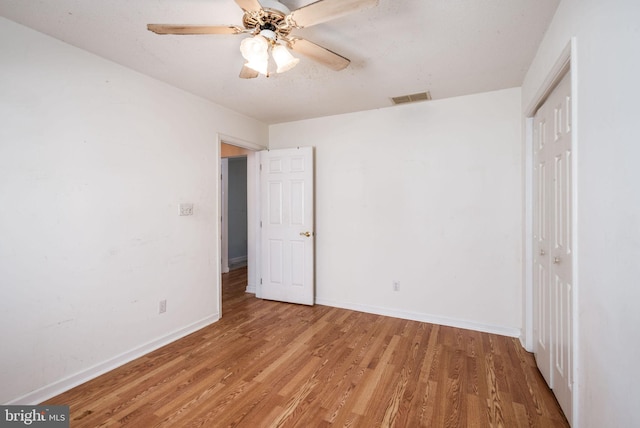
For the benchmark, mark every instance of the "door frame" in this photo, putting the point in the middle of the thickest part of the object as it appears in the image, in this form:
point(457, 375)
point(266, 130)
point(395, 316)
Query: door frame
point(224, 214)
point(566, 63)
point(253, 213)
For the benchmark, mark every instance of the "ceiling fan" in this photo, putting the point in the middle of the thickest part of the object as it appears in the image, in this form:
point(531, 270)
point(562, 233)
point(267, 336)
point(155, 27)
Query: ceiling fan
point(270, 24)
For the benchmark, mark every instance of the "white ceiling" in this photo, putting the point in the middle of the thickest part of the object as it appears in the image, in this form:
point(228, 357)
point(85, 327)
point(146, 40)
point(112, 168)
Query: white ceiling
point(447, 47)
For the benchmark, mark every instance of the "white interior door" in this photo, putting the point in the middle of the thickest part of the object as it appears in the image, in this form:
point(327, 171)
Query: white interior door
point(553, 257)
point(286, 186)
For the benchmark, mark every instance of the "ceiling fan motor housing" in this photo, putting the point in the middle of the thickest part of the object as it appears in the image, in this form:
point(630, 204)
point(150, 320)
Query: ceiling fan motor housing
point(271, 17)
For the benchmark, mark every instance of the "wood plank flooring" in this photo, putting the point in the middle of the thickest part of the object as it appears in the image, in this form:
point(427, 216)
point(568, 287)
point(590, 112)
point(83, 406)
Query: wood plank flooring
point(271, 364)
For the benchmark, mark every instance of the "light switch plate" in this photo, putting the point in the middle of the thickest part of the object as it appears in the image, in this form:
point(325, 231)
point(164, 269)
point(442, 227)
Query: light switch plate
point(186, 209)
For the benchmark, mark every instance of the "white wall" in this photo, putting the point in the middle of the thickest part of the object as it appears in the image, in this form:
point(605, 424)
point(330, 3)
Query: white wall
point(428, 194)
point(94, 160)
point(608, 269)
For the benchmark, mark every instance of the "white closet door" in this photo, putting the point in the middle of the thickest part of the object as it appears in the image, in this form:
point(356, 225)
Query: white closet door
point(553, 254)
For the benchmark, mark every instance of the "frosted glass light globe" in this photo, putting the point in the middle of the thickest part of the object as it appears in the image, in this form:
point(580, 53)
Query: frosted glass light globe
point(254, 48)
point(283, 58)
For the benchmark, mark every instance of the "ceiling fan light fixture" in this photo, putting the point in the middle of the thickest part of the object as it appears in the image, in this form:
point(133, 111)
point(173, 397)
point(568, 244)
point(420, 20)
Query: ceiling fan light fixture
point(255, 48)
point(283, 58)
point(270, 23)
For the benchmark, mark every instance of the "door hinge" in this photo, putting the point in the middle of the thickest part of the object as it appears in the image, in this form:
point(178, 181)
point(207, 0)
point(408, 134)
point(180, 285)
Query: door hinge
point(260, 223)
point(260, 167)
point(260, 281)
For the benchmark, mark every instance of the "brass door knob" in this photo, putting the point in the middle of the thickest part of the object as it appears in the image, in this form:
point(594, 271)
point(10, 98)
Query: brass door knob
point(307, 234)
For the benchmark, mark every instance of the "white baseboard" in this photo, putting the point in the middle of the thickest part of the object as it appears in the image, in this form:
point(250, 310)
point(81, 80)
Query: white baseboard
point(417, 316)
point(251, 289)
point(238, 260)
point(60, 386)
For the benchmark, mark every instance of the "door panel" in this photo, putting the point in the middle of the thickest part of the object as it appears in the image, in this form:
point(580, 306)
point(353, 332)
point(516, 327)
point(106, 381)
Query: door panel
point(297, 202)
point(287, 226)
point(275, 203)
point(542, 323)
point(276, 259)
point(562, 268)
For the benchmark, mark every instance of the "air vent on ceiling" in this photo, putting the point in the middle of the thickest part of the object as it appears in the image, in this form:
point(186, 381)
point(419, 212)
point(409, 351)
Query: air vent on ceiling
point(421, 96)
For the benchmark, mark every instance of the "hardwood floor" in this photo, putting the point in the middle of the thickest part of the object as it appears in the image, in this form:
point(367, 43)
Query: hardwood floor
point(270, 364)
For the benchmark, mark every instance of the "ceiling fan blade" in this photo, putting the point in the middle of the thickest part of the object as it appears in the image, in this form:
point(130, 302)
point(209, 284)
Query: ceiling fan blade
point(249, 5)
point(325, 10)
point(317, 53)
point(248, 73)
point(194, 29)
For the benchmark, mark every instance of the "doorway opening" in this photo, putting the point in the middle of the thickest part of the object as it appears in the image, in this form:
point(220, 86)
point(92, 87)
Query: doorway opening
point(233, 167)
point(238, 208)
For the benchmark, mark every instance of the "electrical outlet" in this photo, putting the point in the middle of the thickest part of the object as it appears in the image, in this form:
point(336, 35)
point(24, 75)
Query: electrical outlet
point(396, 285)
point(186, 209)
point(162, 307)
